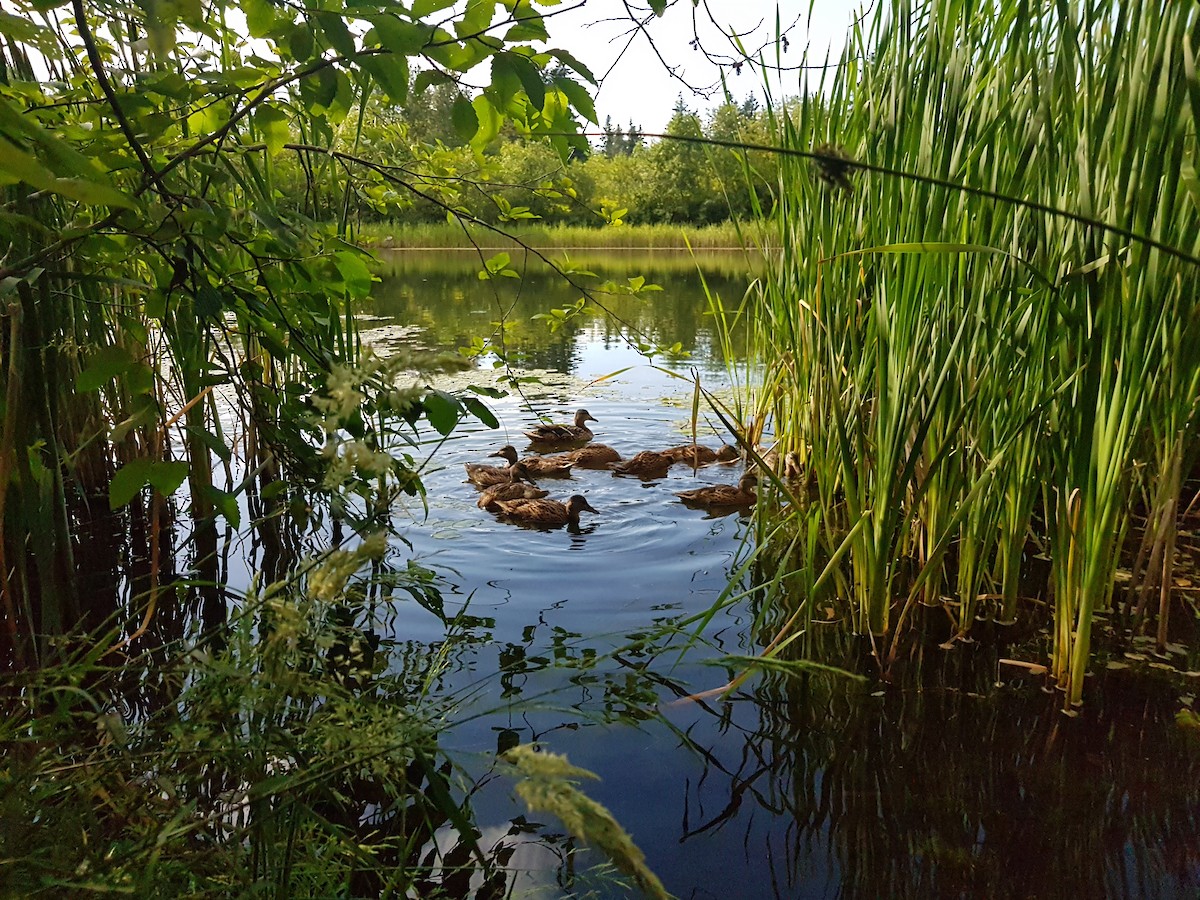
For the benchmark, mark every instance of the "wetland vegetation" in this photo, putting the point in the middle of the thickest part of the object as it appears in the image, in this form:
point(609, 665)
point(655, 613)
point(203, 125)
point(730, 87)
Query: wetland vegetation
point(256, 636)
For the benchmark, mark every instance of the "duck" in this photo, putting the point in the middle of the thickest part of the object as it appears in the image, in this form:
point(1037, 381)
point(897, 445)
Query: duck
point(789, 466)
point(489, 476)
point(694, 455)
point(647, 464)
point(510, 490)
point(543, 512)
point(539, 466)
point(729, 453)
point(723, 494)
point(593, 456)
point(563, 434)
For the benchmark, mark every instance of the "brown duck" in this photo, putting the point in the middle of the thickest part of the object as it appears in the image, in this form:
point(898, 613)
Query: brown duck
point(563, 434)
point(725, 495)
point(543, 512)
point(513, 489)
point(647, 464)
point(483, 476)
point(593, 456)
point(538, 466)
point(693, 454)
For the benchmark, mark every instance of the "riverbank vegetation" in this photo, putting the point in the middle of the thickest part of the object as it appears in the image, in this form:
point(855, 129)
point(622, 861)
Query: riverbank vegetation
point(453, 236)
point(983, 339)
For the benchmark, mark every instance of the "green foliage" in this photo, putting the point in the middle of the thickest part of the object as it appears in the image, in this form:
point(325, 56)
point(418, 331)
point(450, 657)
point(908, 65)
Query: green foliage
point(259, 773)
point(176, 213)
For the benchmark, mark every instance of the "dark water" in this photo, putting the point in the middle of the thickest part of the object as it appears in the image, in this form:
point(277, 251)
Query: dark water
point(795, 787)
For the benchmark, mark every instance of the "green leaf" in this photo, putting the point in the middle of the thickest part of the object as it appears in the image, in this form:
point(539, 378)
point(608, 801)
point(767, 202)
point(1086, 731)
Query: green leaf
point(528, 28)
point(91, 192)
point(401, 37)
point(505, 80)
point(166, 477)
point(336, 32)
point(103, 366)
point(127, 481)
point(226, 504)
point(212, 442)
point(489, 121)
point(465, 118)
point(272, 123)
point(429, 77)
point(391, 72)
point(442, 410)
point(260, 17)
point(531, 79)
point(476, 19)
point(300, 42)
point(659, 6)
point(575, 65)
point(145, 413)
point(579, 97)
point(354, 272)
point(208, 302)
point(423, 8)
point(479, 410)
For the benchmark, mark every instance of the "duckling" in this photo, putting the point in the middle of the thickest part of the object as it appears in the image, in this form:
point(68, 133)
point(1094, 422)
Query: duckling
point(543, 512)
point(489, 476)
point(722, 494)
point(563, 434)
point(647, 464)
point(540, 466)
point(695, 455)
point(593, 456)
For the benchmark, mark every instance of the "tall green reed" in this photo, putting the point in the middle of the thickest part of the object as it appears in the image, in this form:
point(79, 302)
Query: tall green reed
point(957, 369)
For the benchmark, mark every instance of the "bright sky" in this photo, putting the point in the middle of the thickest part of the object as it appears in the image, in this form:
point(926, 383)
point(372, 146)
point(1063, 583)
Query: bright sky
point(638, 85)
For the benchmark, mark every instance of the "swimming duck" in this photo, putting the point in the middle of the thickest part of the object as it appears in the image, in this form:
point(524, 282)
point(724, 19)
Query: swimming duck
point(539, 466)
point(789, 466)
point(722, 494)
point(693, 454)
point(563, 434)
point(647, 464)
point(729, 453)
point(593, 456)
point(510, 490)
point(489, 476)
point(543, 512)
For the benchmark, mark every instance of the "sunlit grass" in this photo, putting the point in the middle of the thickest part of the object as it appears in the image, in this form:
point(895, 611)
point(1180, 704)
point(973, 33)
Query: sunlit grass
point(443, 235)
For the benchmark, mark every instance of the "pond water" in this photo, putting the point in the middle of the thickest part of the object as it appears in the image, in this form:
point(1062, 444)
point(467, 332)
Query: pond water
point(961, 785)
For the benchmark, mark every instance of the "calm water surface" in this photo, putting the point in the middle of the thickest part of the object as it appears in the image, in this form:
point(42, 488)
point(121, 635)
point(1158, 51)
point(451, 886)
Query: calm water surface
point(809, 787)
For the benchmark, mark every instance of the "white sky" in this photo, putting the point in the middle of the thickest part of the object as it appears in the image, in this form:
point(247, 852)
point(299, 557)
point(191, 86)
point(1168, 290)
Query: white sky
point(639, 87)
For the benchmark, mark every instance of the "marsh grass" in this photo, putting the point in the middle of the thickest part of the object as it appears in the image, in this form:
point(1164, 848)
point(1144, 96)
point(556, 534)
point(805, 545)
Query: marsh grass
point(444, 235)
point(968, 378)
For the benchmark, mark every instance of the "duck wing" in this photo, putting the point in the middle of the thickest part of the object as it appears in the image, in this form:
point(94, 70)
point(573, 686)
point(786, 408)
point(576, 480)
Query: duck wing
point(513, 490)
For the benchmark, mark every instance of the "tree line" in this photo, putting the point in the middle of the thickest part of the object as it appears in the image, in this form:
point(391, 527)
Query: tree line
point(624, 176)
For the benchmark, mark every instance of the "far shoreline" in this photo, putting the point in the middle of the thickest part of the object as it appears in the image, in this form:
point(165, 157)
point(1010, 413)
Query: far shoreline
point(441, 236)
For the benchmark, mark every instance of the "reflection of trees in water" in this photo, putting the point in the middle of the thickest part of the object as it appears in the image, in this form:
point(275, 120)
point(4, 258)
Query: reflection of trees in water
point(953, 788)
point(443, 295)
